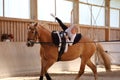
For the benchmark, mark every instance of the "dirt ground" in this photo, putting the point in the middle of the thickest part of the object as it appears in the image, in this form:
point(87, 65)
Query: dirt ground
point(102, 75)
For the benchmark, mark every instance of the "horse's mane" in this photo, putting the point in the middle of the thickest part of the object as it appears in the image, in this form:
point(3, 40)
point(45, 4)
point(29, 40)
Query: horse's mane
point(45, 26)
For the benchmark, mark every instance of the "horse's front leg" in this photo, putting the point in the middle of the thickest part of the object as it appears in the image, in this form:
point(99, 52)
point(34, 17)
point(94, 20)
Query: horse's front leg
point(41, 78)
point(46, 64)
point(42, 72)
point(47, 76)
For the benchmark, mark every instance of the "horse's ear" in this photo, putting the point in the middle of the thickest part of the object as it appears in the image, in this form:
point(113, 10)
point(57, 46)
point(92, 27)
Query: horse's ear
point(28, 25)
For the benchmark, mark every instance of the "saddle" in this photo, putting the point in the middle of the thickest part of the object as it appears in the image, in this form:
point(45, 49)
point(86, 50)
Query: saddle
point(56, 37)
point(60, 40)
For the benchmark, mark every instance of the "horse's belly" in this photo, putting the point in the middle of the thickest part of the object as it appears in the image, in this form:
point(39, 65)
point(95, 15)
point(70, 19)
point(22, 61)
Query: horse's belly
point(72, 54)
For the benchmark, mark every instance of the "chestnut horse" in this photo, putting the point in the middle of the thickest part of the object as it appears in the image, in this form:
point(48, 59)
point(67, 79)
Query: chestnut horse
point(84, 49)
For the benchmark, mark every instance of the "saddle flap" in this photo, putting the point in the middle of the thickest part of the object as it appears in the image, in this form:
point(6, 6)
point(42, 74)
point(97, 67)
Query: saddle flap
point(55, 37)
point(58, 37)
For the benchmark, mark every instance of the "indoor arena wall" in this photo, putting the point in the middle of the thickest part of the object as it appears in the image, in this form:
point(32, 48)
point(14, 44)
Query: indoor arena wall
point(18, 27)
point(17, 59)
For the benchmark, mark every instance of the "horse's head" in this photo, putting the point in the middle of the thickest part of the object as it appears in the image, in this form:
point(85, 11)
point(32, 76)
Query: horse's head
point(32, 35)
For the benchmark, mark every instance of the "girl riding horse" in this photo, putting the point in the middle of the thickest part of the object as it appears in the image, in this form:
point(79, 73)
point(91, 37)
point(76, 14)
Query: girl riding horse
point(71, 32)
point(84, 49)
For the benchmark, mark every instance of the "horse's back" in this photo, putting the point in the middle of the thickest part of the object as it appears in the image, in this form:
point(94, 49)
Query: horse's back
point(89, 46)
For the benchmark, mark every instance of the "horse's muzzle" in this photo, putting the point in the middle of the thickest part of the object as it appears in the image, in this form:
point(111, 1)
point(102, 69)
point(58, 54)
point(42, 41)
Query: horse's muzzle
point(30, 43)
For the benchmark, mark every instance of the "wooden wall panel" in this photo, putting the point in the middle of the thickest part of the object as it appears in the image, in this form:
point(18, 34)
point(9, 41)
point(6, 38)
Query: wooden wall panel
point(115, 34)
point(18, 27)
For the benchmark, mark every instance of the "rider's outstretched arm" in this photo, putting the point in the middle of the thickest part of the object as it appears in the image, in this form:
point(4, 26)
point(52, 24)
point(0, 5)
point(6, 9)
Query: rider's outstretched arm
point(63, 26)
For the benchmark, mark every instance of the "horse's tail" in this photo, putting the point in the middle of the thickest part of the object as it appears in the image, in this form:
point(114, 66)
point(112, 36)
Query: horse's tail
point(105, 57)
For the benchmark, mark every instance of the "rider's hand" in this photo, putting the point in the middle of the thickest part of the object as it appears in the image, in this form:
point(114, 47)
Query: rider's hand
point(66, 37)
point(52, 15)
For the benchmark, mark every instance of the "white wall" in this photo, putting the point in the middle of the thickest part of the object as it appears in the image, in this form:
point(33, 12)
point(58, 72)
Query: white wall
point(18, 59)
point(113, 49)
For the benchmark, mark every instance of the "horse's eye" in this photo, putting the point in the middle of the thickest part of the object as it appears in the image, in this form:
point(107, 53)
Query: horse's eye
point(29, 30)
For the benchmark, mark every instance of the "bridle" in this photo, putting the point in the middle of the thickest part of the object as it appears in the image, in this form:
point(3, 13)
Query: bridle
point(30, 42)
point(35, 37)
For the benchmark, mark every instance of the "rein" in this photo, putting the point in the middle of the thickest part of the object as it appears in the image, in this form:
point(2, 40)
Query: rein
point(43, 42)
point(78, 42)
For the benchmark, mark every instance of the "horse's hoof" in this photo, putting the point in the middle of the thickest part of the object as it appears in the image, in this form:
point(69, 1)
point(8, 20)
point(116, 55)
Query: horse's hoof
point(41, 78)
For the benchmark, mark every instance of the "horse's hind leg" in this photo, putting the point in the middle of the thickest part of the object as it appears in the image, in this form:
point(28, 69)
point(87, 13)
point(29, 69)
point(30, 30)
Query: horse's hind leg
point(93, 67)
point(82, 68)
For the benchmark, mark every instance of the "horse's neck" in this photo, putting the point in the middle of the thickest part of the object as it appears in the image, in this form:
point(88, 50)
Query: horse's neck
point(45, 35)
